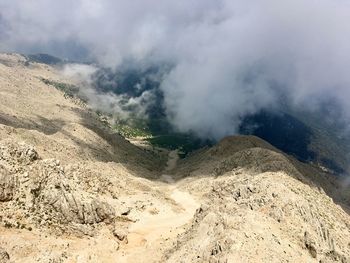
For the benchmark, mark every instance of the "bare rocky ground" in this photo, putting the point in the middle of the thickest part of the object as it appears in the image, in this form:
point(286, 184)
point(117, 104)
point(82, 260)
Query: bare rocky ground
point(72, 191)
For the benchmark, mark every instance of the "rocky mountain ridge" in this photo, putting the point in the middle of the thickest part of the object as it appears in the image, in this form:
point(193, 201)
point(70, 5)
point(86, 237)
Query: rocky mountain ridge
point(71, 190)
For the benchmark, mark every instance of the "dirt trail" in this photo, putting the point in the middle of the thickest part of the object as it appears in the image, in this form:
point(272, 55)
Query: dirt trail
point(148, 236)
point(173, 157)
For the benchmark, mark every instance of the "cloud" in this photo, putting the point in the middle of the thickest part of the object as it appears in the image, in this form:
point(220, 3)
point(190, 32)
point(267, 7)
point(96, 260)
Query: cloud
point(120, 106)
point(230, 57)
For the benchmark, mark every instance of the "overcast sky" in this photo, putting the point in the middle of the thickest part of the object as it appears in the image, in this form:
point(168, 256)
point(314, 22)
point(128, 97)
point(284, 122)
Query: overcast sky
point(231, 57)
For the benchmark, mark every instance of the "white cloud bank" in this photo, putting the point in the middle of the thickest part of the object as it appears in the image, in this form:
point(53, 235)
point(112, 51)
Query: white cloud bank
point(230, 57)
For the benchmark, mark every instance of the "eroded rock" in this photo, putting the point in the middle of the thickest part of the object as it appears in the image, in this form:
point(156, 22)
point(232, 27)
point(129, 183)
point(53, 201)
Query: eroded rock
point(7, 185)
point(45, 195)
point(4, 256)
point(310, 244)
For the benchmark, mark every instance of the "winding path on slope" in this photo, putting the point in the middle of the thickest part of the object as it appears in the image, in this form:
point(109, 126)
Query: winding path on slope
point(149, 236)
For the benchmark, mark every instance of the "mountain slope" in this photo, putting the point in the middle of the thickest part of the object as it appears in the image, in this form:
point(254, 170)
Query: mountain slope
point(260, 205)
point(71, 190)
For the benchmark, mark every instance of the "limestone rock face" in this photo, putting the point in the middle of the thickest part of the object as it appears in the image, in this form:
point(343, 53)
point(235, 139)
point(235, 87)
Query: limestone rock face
point(44, 194)
point(7, 185)
point(4, 256)
point(266, 217)
point(54, 192)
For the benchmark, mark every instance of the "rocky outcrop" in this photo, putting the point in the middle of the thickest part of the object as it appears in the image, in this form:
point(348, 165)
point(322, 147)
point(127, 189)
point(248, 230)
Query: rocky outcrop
point(264, 217)
point(44, 194)
point(7, 185)
point(66, 203)
point(4, 256)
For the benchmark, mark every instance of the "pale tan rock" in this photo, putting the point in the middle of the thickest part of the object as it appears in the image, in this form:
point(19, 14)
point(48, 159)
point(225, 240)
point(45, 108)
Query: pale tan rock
point(71, 191)
point(121, 234)
point(7, 185)
point(4, 256)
